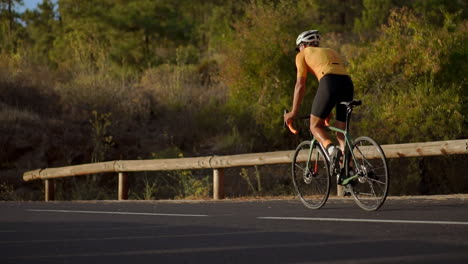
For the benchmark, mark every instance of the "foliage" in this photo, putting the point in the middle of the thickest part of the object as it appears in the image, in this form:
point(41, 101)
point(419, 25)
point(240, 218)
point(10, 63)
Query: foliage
point(88, 187)
point(402, 79)
point(7, 193)
point(193, 187)
point(258, 55)
point(172, 185)
point(329, 15)
point(41, 27)
point(212, 77)
point(101, 138)
point(257, 188)
point(374, 14)
point(10, 28)
point(150, 189)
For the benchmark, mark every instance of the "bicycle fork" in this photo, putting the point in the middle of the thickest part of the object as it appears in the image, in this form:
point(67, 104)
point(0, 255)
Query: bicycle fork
point(309, 173)
point(316, 161)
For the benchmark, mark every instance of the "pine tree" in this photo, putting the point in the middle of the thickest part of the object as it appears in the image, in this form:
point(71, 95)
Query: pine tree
point(9, 24)
point(41, 25)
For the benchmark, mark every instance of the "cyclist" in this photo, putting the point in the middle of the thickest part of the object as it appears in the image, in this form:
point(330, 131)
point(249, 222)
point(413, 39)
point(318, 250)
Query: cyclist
point(335, 86)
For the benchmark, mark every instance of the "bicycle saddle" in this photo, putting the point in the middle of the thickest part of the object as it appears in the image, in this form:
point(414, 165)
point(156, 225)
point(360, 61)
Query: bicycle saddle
point(352, 103)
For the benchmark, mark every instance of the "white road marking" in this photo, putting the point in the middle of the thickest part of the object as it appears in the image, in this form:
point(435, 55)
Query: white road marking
point(114, 213)
point(365, 220)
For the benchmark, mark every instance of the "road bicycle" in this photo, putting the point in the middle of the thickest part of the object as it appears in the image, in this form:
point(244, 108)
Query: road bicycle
point(363, 170)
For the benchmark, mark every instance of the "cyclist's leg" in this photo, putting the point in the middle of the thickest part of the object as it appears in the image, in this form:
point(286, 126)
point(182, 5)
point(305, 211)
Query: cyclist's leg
point(317, 127)
point(344, 92)
point(321, 107)
point(340, 136)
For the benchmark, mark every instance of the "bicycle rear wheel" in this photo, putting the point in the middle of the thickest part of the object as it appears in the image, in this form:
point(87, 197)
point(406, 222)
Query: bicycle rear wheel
point(370, 189)
point(310, 176)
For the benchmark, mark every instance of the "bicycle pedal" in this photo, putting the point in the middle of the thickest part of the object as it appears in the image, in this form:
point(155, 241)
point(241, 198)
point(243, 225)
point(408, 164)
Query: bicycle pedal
point(348, 188)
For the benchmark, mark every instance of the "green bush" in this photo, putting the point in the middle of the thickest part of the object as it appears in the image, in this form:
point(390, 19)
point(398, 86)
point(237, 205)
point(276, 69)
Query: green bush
point(398, 77)
point(259, 67)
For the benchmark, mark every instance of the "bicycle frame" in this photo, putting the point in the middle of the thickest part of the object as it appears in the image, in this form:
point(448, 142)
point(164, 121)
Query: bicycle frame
point(368, 184)
point(347, 151)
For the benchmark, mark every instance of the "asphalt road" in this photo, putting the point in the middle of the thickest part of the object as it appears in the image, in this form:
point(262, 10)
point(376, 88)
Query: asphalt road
point(430, 230)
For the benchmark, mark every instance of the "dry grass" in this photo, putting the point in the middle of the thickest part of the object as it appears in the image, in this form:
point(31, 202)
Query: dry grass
point(12, 115)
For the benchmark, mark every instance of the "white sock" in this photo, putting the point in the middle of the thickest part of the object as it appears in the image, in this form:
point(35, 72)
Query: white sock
point(330, 149)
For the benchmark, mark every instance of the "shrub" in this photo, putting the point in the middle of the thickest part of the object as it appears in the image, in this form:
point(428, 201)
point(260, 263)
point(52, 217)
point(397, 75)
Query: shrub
point(398, 78)
point(259, 67)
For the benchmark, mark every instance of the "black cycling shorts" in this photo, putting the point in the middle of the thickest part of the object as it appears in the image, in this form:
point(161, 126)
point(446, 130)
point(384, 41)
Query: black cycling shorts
point(333, 89)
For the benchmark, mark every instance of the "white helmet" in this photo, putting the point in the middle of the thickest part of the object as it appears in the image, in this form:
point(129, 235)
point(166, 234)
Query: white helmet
point(309, 37)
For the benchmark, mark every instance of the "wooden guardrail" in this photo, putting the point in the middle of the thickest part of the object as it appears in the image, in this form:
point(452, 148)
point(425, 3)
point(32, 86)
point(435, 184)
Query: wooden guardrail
point(218, 163)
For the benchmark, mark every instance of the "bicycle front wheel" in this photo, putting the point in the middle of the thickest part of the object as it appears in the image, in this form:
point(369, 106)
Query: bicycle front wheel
point(310, 175)
point(370, 188)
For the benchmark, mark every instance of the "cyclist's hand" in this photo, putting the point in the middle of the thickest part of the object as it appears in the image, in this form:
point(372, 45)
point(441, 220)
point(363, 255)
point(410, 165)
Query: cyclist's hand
point(327, 120)
point(288, 120)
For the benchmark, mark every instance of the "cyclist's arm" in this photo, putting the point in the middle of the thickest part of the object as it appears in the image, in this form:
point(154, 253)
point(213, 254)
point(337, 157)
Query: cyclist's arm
point(299, 91)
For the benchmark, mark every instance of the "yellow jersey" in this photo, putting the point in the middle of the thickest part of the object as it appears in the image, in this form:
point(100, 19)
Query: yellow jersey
point(320, 61)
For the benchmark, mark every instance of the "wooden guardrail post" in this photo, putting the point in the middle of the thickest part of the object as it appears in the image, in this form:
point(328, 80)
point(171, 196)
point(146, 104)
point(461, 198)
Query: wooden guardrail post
point(339, 190)
point(218, 184)
point(49, 189)
point(123, 186)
